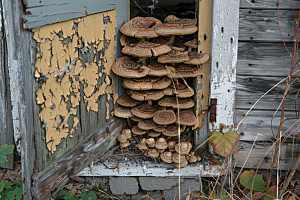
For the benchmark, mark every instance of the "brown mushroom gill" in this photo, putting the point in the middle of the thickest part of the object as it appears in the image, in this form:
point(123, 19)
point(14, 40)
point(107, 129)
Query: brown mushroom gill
point(147, 83)
point(144, 95)
point(125, 67)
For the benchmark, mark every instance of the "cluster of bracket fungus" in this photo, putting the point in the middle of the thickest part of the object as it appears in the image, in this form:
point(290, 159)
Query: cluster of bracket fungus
point(158, 107)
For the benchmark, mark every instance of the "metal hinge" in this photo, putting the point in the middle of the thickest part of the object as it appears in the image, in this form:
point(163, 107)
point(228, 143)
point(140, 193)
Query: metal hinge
point(213, 110)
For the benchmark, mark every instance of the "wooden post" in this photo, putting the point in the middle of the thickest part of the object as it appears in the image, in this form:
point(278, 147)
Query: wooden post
point(6, 123)
point(20, 63)
point(225, 22)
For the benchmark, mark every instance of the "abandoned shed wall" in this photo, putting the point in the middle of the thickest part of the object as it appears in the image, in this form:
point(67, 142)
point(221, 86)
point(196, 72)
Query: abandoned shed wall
point(262, 63)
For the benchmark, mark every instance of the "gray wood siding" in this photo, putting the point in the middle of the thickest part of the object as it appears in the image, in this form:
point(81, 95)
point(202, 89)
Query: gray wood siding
point(263, 62)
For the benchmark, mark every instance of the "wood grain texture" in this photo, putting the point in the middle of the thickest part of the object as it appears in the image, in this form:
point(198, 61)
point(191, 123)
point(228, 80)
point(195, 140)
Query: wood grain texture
point(263, 59)
point(259, 123)
point(251, 88)
point(52, 179)
point(261, 25)
point(39, 13)
point(262, 153)
point(224, 44)
point(6, 122)
point(270, 4)
point(21, 58)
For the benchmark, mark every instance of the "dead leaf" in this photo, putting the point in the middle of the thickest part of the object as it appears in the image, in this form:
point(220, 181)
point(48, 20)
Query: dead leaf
point(224, 144)
point(297, 190)
point(293, 197)
point(258, 195)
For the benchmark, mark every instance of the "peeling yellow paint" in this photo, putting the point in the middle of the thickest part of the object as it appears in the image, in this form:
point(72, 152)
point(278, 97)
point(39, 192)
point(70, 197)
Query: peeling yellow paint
point(204, 29)
point(59, 64)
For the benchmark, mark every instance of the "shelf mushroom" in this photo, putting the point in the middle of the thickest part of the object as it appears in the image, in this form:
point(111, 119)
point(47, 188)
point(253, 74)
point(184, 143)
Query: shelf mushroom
point(153, 153)
point(173, 57)
point(123, 140)
point(184, 71)
point(147, 124)
point(161, 144)
point(175, 26)
point(137, 131)
point(142, 145)
point(166, 157)
point(122, 112)
point(172, 130)
point(197, 58)
point(192, 44)
point(145, 111)
point(186, 118)
point(153, 133)
point(146, 83)
point(150, 142)
point(145, 95)
point(181, 103)
point(127, 132)
point(164, 117)
point(183, 148)
point(182, 90)
point(127, 101)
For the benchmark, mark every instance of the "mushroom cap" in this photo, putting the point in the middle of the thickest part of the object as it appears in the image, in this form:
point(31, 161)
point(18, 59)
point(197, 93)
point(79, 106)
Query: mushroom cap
point(173, 57)
point(122, 137)
point(146, 111)
point(164, 117)
point(146, 124)
point(176, 156)
point(126, 40)
point(183, 103)
point(140, 27)
point(161, 143)
point(157, 69)
point(150, 142)
point(135, 118)
point(142, 145)
point(153, 133)
point(159, 128)
point(144, 95)
point(161, 46)
point(171, 130)
point(183, 164)
point(176, 26)
point(124, 144)
point(136, 130)
point(166, 157)
point(186, 118)
point(127, 101)
point(192, 43)
point(139, 49)
point(127, 132)
point(183, 91)
point(178, 47)
point(147, 83)
point(122, 112)
point(197, 58)
point(125, 67)
point(184, 147)
point(192, 159)
point(184, 71)
point(171, 144)
point(153, 153)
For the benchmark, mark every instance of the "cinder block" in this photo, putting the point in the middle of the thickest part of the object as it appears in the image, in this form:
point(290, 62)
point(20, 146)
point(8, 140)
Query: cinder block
point(121, 185)
point(185, 186)
point(157, 183)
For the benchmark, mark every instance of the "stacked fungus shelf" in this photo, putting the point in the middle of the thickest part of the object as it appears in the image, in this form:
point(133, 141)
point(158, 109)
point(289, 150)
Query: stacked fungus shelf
point(158, 103)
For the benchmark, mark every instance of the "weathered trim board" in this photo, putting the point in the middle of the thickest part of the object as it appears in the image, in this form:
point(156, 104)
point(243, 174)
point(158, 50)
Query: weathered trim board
point(147, 168)
point(42, 12)
point(225, 23)
point(55, 176)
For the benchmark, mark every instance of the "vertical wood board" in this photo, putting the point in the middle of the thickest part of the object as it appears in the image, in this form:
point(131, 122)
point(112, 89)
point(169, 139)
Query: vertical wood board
point(6, 124)
point(225, 22)
point(20, 61)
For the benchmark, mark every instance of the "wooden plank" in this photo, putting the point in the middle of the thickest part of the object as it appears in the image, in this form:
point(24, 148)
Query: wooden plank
point(126, 168)
point(263, 59)
point(259, 122)
point(261, 154)
point(270, 4)
point(52, 179)
point(223, 59)
point(21, 57)
point(201, 83)
point(39, 13)
point(261, 25)
point(6, 122)
point(251, 88)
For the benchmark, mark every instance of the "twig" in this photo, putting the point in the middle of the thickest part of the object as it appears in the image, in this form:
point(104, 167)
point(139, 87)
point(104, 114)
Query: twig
point(287, 181)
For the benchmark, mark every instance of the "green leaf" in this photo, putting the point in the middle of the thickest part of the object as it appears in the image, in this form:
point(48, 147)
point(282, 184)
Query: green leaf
point(87, 196)
point(18, 191)
point(252, 181)
point(224, 144)
point(223, 195)
point(68, 195)
point(5, 184)
point(5, 150)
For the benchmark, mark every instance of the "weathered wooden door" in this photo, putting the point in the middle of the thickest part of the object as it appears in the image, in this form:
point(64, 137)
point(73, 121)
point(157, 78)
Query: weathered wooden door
point(60, 54)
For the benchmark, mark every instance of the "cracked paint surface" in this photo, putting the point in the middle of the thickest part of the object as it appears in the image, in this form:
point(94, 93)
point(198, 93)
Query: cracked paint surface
point(74, 60)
